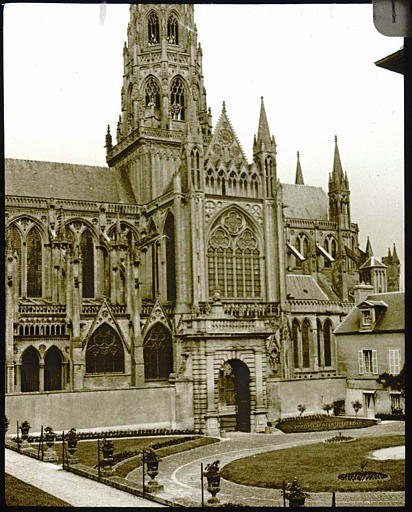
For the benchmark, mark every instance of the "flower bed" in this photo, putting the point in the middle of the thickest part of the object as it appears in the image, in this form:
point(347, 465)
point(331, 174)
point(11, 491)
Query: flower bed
point(399, 417)
point(339, 439)
point(121, 433)
point(363, 476)
point(320, 422)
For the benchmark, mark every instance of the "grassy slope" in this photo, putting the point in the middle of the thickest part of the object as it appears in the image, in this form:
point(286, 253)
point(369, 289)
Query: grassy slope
point(317, 466)
point(20, 494)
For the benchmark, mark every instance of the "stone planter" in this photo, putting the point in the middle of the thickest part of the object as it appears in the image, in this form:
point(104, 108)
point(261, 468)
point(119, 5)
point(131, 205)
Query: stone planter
point(50, 454)
point(72, 449)
point(213, 486)
point(25, 429)
point(153, 471)
point(297, 502)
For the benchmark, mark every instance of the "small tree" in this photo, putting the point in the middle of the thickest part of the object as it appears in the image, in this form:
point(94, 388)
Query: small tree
point(301, 408)
point(327, 407)
point(356, 406)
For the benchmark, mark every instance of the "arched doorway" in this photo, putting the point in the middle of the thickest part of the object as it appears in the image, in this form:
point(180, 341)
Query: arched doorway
point(234, 391)
point(30, 370)
point(53, 370)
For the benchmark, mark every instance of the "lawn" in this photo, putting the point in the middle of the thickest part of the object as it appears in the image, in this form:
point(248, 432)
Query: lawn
point(317, 466)
point(20, 494)
point(321, 422)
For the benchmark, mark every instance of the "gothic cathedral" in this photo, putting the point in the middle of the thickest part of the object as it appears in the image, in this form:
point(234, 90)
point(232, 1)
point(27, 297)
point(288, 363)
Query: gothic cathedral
point(181, 270)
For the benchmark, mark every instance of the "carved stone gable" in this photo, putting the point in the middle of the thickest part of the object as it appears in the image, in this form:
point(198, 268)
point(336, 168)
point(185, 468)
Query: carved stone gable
point(105, 316)
point(157, 315)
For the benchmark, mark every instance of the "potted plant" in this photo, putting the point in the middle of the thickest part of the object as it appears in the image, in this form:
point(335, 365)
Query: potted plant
point(25, 427)
point(301, 408)
point(50, 436)
point(152, 461)
point(356, 407)
point(212, 473)
point(72, 439)
point(295, 495)
point(327, 407)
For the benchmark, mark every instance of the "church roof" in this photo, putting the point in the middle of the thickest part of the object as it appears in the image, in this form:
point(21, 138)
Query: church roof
point(32, 178)
point(300, 287)
point(392, 318)
point(304, 202)
point(371, 263)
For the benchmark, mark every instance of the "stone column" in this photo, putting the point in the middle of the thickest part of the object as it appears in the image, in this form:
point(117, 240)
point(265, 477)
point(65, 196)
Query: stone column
point(9, 320)
point(41, 376)
point(260, 409)
point(212, 419)
point(17, 388)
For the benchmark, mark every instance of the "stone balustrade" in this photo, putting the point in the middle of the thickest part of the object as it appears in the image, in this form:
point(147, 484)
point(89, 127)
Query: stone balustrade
point(321, 306)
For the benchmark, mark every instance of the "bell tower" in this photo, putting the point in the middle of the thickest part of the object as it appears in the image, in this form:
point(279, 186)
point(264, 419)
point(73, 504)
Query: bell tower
point(162, 92)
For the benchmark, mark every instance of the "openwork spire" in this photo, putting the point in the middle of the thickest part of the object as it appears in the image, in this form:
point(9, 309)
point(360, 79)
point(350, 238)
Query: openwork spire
point(338, 176)
point(299, 175)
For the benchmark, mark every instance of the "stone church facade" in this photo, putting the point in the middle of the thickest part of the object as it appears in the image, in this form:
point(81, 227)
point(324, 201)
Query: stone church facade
point(181, 265)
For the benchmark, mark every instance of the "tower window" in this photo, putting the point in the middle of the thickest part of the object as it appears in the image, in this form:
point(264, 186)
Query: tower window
point(177, 100)
point(152, 93)
point(34, 263)
point(153, 28)
point(172, 30)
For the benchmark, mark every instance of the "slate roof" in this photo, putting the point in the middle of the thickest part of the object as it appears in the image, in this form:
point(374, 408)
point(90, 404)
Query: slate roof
point(391, 319)
point(32, 178)
point(373, 262)
point(304, 202)
point(301, 287)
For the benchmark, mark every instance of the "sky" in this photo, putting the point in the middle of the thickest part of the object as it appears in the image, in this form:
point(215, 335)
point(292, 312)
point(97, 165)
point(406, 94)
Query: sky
point(313, 64)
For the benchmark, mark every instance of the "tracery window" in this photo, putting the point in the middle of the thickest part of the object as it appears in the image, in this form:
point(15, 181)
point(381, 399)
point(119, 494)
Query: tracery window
point(158, 353)
point(105, 352)
point(255, 185)
point(87, 252)
point(305, 344)
point(177, 100)
point(153, 28)
point(172, 30)
point(330, 246)
point(227, 385)
point(14, 239)
point(152, 93)
point(34, 263)
point(327, 341)
point(234, 258)
point(302, 245)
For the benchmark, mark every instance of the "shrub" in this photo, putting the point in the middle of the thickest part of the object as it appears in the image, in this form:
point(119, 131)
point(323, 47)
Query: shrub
point(357, 406)
point(301, 408)
point(327, 407)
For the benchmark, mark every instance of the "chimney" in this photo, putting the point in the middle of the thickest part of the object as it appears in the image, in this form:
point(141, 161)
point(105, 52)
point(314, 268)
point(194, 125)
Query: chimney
point(361, 291)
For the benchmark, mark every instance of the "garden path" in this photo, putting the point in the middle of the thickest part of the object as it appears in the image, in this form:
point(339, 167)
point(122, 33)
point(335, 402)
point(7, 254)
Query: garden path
point(180, 473)
point(74, 489)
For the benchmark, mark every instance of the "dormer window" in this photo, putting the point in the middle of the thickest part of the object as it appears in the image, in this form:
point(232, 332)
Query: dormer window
point(367, 318)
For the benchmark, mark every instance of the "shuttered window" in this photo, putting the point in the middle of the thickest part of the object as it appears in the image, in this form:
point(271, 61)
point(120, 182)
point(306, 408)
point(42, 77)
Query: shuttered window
point(394, 361)
point(368, 361)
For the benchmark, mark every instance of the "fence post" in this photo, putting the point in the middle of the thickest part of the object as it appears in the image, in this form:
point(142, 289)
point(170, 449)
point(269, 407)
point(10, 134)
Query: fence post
point(284, 493)
point(63, 449)
point(42, 444)
point(98, 458)
point(201, 480)
point(18, 444)
point(333, 499)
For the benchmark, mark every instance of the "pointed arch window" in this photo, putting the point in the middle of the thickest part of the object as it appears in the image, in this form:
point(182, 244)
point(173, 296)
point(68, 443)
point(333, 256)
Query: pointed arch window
point(169, 231)
point(172, 30)
point(302, 245)
point(234, 258)
point(319, 340)
point(104, 353)
point(153, 28)
point(330, 246)
point(295, 339)
point(14, 239)
point(87, 253)
point(152, 93)
point(34, 263)
point(177, 100)
point(269, 176)
point(158, 353)
point(327, 342)
point(306, 344)
point(195, 167)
